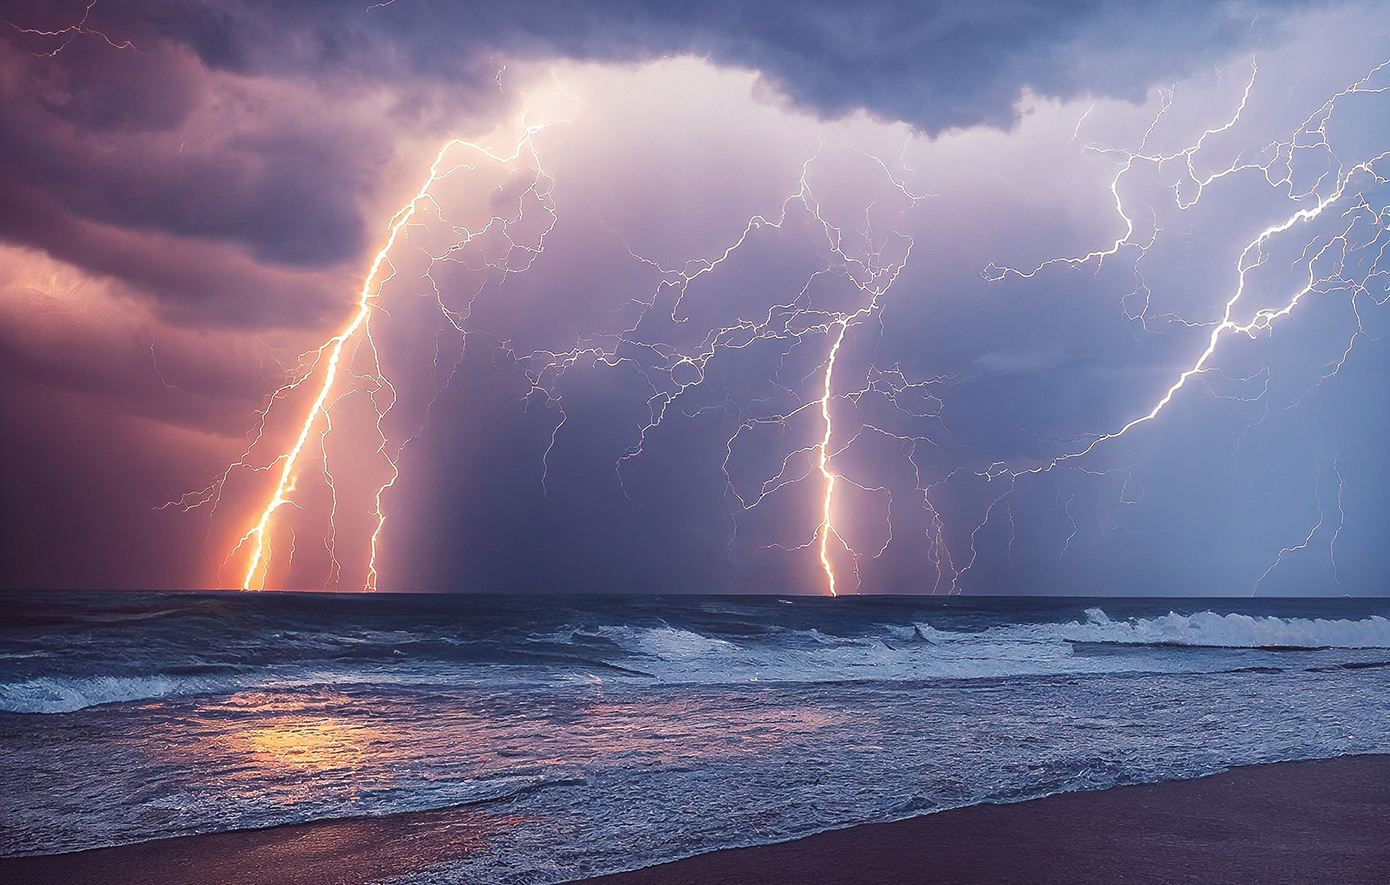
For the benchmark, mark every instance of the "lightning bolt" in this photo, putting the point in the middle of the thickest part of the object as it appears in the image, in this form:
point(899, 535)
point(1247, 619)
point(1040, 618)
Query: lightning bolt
point(66, 35)
point(1326, 264)
point(872, 275)
point(811, 404)
point(868, 271)
point(328, 359)
point(1253, 254)
point(826, 528)
point(333, 348)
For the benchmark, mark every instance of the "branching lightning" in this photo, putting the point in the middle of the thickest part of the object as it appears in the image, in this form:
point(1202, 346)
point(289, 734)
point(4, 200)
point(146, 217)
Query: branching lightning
point(66, 35)
point(870, 257)
point(1326, 261)
point(328, 359)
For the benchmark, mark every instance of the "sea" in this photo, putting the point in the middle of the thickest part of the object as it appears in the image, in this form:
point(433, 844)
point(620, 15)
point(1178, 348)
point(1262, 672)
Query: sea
point(605, 733)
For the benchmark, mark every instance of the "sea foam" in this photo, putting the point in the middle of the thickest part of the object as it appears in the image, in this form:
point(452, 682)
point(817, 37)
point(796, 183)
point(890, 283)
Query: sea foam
point(1207, 629)
point(58, 695)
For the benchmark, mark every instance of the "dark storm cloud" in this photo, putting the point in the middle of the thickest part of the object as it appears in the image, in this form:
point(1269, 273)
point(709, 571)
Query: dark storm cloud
point(934, 64)
point(109, 152)
point(149, 139)
point(224, 168)
point(196, 281)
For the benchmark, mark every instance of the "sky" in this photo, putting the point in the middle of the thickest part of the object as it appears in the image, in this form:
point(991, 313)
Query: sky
point(1082, 298)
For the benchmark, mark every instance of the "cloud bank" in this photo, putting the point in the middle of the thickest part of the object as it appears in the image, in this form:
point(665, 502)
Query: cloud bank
point(187, 214)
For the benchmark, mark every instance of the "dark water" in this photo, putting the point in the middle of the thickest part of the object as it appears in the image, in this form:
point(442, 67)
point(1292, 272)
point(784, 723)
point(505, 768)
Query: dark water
point(622, 731)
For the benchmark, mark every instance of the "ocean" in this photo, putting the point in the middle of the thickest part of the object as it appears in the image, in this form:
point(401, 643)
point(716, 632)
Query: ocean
point(607, 733)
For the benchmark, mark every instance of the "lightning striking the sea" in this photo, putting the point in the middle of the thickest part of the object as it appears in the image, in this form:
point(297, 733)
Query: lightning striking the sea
point(453, 157)
point(1328, 259)
point(675, 337)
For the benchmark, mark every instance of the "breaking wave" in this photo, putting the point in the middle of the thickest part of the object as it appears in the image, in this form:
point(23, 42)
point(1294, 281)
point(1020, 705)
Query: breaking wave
point(1207, 629)
point(681, 644)
point(58, 695)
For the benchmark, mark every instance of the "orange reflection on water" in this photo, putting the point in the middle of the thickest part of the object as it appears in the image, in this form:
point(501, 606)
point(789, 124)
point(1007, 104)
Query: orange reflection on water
point(309, 744)
point(329, 744)
point(300, 734)
point(314, 746)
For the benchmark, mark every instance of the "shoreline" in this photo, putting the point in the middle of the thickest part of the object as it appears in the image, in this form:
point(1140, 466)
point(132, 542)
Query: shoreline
point(1278, 823)
point(1303, 822)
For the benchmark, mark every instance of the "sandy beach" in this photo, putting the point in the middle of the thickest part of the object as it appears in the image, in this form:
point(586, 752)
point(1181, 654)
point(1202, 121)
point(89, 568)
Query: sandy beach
point(1321, 821)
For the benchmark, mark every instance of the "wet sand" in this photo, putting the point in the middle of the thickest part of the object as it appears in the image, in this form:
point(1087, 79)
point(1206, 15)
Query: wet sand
point(344, 851)
point(1324, 821)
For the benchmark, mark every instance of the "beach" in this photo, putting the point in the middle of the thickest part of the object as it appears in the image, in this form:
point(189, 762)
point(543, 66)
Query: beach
point(1295, 822)
point(528, 741)
point(1289, 822)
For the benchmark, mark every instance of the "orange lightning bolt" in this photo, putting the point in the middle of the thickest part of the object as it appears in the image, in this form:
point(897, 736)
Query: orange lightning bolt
point(256, 537)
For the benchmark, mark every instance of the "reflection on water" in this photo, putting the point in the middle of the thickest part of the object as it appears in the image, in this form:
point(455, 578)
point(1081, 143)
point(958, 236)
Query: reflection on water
point(607, 775)
point(291, 733)
point(322, 738)
point(270, 756)
point(310, 745)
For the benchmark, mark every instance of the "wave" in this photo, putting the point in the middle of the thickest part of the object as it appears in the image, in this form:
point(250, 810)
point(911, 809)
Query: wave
point(68, 694)
point(58, 695)
point(717, 650)
point(1209, 630)
point(922, 651)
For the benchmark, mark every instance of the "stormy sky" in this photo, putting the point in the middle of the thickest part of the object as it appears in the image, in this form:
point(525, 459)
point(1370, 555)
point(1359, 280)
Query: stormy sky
point(696, 297)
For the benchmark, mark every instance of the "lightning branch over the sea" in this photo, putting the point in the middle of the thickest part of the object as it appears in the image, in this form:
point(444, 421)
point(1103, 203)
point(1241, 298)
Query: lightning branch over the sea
point(872, 273)
point(1327, 259)
point(813, 403)
point(328, 360)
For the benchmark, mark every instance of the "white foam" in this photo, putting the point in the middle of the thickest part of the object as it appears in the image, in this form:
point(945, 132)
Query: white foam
point(891, 652)
point(48, 694)
point(918, 650)
point(1231, 631)
point(670, 643)
point(53, 695)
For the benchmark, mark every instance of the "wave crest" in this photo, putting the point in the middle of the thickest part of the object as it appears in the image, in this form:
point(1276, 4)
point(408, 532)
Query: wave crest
point(56, 695)
point(1210, 630)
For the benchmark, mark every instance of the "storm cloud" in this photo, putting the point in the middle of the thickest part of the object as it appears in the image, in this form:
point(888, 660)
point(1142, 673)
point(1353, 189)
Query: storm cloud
point(269, 127)
point(191, 192)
